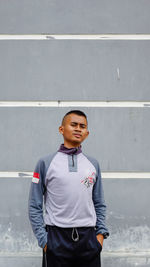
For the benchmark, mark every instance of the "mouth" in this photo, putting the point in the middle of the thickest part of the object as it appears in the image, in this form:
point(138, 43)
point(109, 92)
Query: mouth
point(77, 135)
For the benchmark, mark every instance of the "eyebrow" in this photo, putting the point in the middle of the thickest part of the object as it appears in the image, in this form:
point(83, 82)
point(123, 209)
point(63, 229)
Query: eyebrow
point(78, 123)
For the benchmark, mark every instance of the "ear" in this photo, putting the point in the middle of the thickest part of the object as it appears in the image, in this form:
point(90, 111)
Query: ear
point(61, 129)
point(87, 134)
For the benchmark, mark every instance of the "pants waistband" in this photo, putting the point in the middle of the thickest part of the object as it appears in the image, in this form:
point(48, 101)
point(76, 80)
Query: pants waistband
point(74, 234)
point(78, 227)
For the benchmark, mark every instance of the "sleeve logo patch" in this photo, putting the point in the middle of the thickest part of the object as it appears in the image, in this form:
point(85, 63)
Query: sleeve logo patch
point(36, 178)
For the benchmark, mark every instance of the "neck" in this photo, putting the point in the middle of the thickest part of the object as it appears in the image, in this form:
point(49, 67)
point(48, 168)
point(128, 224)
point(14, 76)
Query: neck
point(70, 150)
point(68, 145)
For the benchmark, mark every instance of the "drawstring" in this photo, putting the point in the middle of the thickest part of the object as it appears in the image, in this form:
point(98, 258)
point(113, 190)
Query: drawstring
point(77, 235)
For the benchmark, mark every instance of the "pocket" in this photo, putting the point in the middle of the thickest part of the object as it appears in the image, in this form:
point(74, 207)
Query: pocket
point(48, 241)
point(58, 243)
point(99, 244)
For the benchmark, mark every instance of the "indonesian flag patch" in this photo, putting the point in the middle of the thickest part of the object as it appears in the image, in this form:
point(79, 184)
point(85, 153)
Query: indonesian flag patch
point(36, 177)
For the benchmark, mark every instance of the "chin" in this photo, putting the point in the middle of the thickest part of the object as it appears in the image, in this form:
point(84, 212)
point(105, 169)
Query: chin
point(76, 141)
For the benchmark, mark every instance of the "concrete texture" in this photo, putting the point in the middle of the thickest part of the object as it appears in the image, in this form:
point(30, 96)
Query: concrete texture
point(80, 71)
point(69, 16)
point(125, 261)
point(75, 70)
point(107, 261)
point(20, 261)
point(119, 137)
point(128, 217)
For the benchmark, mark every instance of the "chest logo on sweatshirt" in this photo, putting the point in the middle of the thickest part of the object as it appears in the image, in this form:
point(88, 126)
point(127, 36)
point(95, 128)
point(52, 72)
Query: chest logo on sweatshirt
point(89, 180)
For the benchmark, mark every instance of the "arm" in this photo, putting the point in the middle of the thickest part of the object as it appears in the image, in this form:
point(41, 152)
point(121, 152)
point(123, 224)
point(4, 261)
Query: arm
point(36, 204)
point(100, 208)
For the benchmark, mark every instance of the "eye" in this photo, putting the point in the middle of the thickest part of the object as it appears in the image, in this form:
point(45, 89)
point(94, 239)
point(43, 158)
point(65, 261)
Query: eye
point(82, 126)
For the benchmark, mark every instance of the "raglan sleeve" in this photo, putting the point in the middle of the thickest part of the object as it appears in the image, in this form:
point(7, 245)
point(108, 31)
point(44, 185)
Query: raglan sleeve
point(99, 204)
point(35, 203)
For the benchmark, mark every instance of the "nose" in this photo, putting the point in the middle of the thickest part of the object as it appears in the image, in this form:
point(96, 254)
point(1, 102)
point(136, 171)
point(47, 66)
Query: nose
point(78, 128)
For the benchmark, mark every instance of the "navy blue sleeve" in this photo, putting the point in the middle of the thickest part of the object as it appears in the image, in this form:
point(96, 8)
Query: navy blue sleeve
point(99, 204)
point(35, 204)
point(99, 201)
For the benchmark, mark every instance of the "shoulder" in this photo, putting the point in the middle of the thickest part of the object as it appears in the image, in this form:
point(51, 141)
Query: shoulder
point(93, 161)
point(48, 157)
point(46, 160)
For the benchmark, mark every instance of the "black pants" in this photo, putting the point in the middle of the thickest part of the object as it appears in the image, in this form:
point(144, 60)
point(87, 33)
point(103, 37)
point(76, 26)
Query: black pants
point(72, 247)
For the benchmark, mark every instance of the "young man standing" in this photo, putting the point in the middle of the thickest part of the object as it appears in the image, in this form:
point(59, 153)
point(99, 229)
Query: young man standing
point(75, 210)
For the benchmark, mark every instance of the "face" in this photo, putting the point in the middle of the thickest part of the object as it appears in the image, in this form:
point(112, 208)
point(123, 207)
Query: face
point(74, 130)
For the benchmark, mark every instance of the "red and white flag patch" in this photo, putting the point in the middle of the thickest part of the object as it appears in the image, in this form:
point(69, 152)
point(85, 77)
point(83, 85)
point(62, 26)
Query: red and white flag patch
point(36, 177)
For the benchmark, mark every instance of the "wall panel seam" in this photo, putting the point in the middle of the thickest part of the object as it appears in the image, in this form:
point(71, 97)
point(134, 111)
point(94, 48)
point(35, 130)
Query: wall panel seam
point(105, 37)
point(59, 103)
point(105, 175)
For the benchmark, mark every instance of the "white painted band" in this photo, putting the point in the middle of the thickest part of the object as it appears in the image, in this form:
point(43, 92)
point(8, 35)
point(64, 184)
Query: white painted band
point(75, 37)
point(105, 175)
point(145, 255)
point(75, 104)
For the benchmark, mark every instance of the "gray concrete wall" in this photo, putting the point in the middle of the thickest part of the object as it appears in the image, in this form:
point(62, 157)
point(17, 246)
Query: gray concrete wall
point(69, 16)
point(128, 215)
point(121, 136)
point(127, 218)
point(75, 70)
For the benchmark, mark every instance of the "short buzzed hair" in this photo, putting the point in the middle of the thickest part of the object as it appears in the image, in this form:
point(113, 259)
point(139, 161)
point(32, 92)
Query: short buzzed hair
point(76, 111)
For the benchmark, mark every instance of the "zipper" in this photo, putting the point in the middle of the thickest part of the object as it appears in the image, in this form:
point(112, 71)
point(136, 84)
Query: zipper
point(72, 161)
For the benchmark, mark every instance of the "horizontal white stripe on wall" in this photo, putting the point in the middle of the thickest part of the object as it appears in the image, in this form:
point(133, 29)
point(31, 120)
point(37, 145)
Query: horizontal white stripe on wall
point(94, 104)
point(105, 175)
point(74, 36)
point(141, 256)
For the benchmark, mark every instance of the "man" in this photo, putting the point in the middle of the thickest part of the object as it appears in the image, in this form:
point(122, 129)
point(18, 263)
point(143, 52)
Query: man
point(70, 182)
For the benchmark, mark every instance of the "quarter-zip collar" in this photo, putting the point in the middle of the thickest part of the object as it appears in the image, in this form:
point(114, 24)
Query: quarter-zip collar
point(70, 151)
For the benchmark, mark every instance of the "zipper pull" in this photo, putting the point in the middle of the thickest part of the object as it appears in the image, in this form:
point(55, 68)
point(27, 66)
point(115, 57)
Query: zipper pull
point(72, 161)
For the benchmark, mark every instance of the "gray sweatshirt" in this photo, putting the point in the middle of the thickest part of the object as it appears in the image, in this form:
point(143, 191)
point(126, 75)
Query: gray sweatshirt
point(71, 185)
